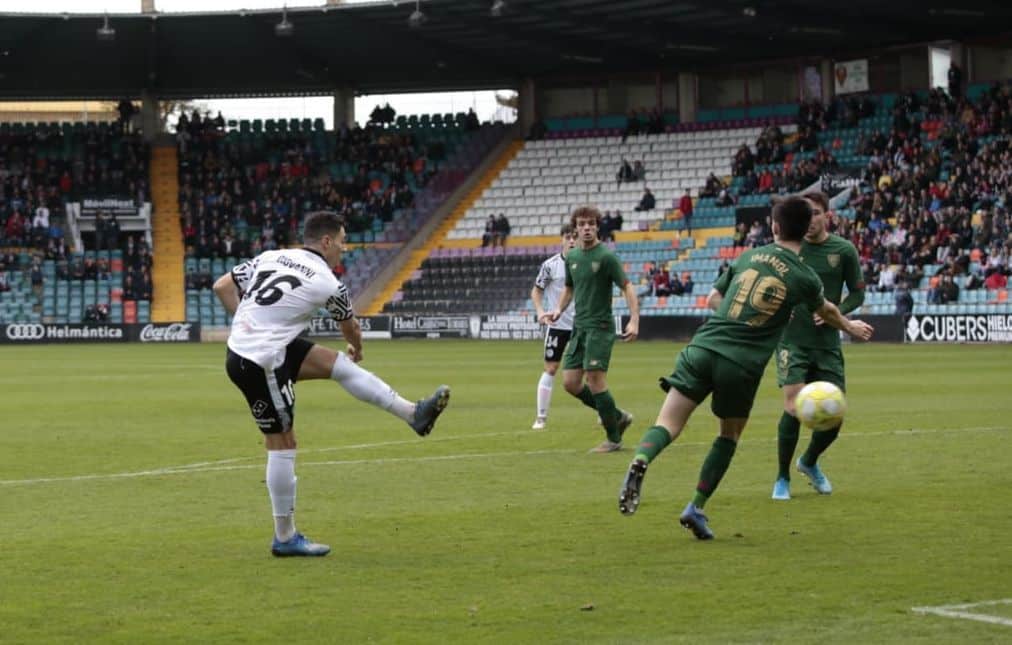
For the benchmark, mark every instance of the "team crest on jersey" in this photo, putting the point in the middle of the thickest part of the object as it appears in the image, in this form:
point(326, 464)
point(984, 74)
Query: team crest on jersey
point(833, 259)
point(594, 266)
point(572, 267)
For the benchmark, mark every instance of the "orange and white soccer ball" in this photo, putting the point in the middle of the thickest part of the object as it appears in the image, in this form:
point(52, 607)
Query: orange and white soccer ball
point(820, 405)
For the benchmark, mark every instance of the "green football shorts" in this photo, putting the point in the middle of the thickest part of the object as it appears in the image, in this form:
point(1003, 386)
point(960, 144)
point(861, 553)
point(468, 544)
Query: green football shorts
point(805, 365)
point(589, 349)
point(700, 372)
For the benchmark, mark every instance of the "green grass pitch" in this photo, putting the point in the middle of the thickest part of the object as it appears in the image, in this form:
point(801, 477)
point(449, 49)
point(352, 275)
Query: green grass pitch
point(133, 507)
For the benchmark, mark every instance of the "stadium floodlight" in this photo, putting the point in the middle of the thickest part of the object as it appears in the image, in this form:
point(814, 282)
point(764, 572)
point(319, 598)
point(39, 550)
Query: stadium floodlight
point(284, 29)
point(749, 12)
point(498, 7)
point(417, 18)
point(105, 33)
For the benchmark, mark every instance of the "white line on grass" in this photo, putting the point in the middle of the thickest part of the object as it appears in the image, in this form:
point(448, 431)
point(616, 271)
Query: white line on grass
point(226, 467)
point(234, 463)
point(957, 611)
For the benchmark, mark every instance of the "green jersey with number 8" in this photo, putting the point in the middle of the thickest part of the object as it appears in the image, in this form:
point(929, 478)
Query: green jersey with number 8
point(760, 291)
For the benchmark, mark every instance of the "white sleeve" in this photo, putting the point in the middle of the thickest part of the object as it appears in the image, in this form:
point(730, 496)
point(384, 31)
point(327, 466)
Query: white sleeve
point(339, 304)
point(544, 277)
point(243, 273)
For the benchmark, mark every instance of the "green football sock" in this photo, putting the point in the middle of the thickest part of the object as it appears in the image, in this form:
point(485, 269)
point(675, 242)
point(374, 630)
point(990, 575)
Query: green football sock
point(653, 442)
point(609, 415)
point(714, 467)
point(787, 443)
point(821, 440)
point(586, 397)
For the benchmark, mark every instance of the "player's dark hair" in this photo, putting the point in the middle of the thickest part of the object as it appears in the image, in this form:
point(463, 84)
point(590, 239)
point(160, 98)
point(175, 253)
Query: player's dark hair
point(792, 216)
point(820, 198)
point(321, 223)
point(567, 230)
point(585, 212)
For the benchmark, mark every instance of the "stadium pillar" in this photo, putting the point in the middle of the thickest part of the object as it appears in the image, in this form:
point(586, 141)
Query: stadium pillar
point(687, 84)
point(344, 107)
point(826, 74)
point(527, 105)
point(151, 122)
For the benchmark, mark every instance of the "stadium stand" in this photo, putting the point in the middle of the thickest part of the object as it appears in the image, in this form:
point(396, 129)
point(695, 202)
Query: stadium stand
point(45, 167)
point(930, 210)
point(247, 190)
point(549, 178)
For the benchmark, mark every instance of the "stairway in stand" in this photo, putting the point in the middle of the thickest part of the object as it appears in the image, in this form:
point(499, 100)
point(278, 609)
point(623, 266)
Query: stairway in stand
point(439, 236)
point(168, 301)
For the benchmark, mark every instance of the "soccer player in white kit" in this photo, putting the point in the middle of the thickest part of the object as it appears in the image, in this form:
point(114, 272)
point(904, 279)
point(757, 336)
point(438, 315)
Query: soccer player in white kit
point(548, 286)
point(272, 299)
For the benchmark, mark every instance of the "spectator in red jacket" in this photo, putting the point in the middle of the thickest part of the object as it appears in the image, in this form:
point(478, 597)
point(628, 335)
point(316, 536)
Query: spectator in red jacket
point(995, 280)
point(685, 205)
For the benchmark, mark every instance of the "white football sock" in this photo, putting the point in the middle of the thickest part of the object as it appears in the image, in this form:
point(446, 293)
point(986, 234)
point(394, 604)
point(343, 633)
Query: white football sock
point(366, 386)
point(281, 486)
point(545, 394)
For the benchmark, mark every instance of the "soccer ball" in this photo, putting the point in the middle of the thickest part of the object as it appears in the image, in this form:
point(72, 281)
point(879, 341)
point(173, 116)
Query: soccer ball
point(820, 405)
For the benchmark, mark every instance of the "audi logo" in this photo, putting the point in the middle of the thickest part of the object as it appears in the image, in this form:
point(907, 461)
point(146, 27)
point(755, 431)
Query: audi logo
point(26, 331)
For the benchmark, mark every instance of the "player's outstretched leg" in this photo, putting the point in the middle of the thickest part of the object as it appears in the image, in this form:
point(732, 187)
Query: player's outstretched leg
point(629, 495)
point(428, 410)
point(653, 442)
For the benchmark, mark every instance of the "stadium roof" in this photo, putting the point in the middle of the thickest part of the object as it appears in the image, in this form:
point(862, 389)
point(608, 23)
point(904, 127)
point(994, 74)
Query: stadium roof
point(372, 48)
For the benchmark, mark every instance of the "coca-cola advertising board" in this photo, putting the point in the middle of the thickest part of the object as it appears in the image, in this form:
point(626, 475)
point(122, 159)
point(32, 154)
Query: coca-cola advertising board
point(44, 333)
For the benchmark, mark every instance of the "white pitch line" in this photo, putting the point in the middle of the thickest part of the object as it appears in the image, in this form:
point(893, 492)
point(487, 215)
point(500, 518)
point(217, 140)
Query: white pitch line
point(233, 463)
point(345, 462)
point(956, 611)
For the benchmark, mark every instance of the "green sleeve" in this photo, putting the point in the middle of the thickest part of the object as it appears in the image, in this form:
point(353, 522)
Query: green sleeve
point(617, 273)
point(813, 293)
point(854, 279)
point(723, 281)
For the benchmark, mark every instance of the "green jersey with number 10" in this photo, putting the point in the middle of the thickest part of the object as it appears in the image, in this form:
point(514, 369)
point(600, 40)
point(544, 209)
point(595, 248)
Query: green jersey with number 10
point(760, 290)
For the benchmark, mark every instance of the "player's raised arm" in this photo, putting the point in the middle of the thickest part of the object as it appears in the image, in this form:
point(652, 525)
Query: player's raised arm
point(227, 291)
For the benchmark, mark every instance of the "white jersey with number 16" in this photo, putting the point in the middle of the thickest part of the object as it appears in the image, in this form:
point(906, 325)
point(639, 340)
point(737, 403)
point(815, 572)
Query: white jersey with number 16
point(281, 292)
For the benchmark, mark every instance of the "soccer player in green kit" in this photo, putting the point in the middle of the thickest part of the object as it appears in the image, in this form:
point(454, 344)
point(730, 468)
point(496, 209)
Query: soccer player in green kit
point(752, 303)
point(810, 350)
point(591, 270)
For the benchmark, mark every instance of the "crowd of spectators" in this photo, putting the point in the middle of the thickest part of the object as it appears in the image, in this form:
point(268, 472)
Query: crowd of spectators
point(238, 200)
point(910, 215)
point(658, 281)
point(37, 179)
point(935, 191)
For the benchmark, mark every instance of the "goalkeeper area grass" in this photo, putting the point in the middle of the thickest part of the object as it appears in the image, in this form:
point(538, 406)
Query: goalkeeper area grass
point(134, 510)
